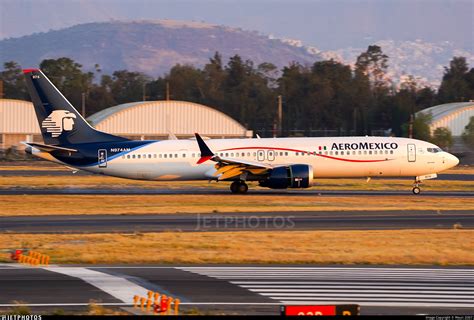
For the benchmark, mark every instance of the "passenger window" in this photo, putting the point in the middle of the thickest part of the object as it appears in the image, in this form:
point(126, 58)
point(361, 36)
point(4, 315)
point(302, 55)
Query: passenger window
point(336, 153)
point(128, 156)
point(184, 155)
point(248, 154)
point(160, 155)
point(133, 156)
point(154, 155)
point(370, 151)
point(365, 151)
point(175, 155)
point(226, 154)
point(391, 151)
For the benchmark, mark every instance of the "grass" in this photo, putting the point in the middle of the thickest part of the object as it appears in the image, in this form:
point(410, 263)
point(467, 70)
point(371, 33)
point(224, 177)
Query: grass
point(163, 204)
point(410, 247)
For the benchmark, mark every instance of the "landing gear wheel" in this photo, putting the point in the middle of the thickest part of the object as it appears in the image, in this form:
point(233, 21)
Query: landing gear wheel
point(416, 190)
point(234, 187)
point(243, 187)
point(239, 187)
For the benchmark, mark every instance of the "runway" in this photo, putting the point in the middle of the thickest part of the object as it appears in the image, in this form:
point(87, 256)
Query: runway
point(234, 289)
point(213, 191)
point(55, 172)
point(254, 221)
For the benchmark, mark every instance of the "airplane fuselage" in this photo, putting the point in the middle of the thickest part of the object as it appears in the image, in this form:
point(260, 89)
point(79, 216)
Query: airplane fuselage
point(329, 157)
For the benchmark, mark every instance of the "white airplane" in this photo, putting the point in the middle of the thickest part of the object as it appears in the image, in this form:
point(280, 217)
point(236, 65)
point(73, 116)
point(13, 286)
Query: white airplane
point(277, 163)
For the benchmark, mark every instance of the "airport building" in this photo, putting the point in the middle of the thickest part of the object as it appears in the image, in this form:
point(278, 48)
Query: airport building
point(137, 120)
point(454, 116)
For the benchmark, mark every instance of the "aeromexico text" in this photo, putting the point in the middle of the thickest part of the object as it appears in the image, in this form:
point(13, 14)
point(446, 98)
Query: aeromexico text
point(365, 146)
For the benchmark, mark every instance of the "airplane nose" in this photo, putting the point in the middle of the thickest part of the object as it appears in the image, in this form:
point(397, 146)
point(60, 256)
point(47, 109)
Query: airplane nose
point(452, 160)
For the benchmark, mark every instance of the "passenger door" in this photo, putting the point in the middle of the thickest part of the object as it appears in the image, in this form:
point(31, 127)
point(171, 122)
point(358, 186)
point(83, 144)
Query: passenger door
point(411, 152)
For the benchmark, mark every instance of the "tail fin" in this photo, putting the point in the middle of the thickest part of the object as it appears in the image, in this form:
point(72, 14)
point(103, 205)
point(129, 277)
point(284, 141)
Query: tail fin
point(59, 121)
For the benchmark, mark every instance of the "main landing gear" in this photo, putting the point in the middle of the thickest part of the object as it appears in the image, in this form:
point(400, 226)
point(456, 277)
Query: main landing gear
point(416, 187)
point(239, 187)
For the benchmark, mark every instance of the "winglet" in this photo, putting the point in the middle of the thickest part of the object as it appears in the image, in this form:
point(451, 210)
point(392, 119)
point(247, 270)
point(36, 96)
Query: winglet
point(206, 153)
point(25, 71)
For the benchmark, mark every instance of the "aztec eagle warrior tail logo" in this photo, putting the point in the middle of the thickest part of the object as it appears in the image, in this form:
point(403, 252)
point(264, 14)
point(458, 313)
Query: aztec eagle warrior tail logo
point(58, 122)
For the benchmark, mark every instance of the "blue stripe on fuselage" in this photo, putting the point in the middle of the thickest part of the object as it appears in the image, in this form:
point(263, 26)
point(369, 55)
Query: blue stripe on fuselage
point(87, 155)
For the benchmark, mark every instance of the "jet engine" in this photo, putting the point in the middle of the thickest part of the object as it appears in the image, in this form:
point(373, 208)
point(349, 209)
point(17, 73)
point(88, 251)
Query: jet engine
point(292, 176)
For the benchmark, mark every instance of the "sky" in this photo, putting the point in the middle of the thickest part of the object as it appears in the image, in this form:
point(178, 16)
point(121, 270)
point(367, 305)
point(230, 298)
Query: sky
point(325, 24)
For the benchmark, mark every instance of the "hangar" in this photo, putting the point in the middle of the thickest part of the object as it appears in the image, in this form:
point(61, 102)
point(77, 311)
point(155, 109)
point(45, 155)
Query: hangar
point(137, 120)
point(157, 119)
point(454, 116)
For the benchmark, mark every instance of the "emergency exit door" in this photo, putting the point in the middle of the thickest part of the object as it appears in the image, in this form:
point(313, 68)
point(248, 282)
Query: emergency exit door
point(411, 152)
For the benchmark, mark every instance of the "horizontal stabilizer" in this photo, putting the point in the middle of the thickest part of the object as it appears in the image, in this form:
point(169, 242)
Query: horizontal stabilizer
point(47, 147)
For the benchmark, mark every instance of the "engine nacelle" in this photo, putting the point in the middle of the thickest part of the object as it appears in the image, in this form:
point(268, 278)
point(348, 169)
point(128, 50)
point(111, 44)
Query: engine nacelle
point(293, 176)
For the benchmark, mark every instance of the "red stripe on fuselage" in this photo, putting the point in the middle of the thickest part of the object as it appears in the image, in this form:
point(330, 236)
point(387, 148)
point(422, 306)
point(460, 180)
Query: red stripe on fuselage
point(296, 150)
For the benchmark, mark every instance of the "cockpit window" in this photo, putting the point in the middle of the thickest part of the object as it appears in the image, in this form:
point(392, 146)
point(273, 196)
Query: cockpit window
point(434, 150)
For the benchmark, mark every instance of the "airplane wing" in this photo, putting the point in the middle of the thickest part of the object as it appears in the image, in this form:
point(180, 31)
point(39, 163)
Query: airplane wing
point(227, 168)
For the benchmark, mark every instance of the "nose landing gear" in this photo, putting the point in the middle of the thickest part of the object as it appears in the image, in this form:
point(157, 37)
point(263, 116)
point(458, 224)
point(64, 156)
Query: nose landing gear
point(416, 190)
point(416, 187)
point(239, 187)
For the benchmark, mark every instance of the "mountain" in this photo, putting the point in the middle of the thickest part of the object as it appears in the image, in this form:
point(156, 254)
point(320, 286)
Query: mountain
point(423, 60)
point(152, 47)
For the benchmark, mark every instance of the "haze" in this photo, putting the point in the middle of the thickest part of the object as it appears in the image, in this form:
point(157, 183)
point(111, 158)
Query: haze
point(326, 24)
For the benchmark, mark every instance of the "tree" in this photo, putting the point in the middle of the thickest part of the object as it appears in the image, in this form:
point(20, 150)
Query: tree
point(126, 86)
point(67, 76)
point(14, 86)
point(455, 84)
point(442, 137)
point(468, 134)
point(421, 127)
point(374, 63)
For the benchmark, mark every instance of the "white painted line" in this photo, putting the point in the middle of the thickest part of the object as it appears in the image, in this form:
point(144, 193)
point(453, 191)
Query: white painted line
point(323, 268)
point(345, 283)
point(131, 304)
point(119, 288)
point(322, 291)
point(366, 288)
point(371, 296)
point(323, 274)
point(466, 280)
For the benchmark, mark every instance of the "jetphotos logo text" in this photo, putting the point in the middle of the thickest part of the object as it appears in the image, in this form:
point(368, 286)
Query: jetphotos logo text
point(58, 122)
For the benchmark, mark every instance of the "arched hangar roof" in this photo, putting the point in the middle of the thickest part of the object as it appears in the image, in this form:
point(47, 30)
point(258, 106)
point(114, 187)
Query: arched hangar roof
point(164, 117)
point(454, 116)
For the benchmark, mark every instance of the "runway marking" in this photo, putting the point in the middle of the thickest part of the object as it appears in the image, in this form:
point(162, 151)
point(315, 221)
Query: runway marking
point(410, 286)
point(119, 288)
point(131, 304)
